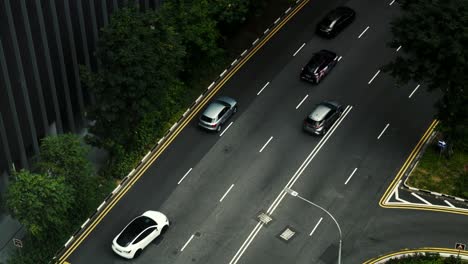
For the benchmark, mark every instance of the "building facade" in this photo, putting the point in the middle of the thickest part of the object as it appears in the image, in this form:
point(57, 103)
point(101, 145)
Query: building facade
point(42, 45)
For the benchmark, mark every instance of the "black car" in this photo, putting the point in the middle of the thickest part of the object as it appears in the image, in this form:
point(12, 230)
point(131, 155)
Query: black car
point(335, 21)
point(319, 65)
point(322, 117)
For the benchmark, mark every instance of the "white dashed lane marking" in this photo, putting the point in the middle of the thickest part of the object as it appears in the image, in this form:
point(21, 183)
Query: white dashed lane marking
point(266, 144)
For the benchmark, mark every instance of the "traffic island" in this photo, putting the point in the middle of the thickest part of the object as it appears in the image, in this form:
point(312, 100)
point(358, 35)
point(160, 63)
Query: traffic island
point(459, 255)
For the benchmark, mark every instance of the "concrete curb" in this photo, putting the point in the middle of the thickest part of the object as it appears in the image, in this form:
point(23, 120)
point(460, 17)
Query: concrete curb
point(125, 181)
point(411, 252)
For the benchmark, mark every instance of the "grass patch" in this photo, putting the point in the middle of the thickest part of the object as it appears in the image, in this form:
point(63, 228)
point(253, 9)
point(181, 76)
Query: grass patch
point(438, 173)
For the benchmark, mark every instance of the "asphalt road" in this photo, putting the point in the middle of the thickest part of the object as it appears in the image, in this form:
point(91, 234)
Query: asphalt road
point(231, 167)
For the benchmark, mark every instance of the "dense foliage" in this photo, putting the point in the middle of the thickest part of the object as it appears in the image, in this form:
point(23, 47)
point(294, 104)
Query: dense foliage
point(56, 198)
point(152, 66)
point(434, 36)
point(140, 57)
point(428, 258)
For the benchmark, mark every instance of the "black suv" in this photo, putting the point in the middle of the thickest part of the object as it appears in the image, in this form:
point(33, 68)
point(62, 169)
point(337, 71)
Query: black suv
point(335, 21)
point(319, 65)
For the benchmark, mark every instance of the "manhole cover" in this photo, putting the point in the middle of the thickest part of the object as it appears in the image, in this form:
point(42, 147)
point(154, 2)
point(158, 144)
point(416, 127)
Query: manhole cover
point(264, 218)
point(287, 234)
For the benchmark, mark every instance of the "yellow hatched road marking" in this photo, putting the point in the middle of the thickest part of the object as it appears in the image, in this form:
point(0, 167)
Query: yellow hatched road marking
point(400, 174)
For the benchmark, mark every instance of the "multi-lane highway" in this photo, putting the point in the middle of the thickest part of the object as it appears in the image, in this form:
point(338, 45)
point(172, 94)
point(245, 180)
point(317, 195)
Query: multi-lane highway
point(213, 186)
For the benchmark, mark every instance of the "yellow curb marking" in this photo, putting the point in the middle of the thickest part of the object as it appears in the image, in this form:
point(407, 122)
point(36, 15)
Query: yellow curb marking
point(156, 154)
point(400, 174)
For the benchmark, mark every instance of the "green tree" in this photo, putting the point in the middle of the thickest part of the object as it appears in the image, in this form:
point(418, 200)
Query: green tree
point(66, 156)
point(230, 13)
point(40, 203)
point(194, 20)
point(434, 36)
point(141, 57)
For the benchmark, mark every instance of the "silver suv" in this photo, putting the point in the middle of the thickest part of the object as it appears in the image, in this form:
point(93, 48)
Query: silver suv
point(322, 117)
point(217, 113)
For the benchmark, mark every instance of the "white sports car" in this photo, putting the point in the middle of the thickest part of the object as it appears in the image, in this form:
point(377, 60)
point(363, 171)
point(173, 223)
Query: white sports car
point(131, 241)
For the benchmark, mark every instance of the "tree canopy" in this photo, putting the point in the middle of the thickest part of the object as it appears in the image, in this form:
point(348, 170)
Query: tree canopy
point(65, 156)
point(140, 57)
point(434, 36)
point(40, 202)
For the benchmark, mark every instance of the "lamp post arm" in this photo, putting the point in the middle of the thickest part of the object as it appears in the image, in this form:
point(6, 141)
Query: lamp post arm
point(323, 209)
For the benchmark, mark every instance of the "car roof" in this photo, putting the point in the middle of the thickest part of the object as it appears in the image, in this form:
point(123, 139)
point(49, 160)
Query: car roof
point(213, 109)
point(132, 230)
point(319, 57)
point(320, 111)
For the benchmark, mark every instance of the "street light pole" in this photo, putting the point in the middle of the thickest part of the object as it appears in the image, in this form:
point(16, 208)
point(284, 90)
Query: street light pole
point(296, 194)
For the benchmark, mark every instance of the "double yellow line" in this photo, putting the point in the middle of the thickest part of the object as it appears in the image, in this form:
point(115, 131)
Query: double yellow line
point(173, 135)
point(402, 171)
point(420, 250)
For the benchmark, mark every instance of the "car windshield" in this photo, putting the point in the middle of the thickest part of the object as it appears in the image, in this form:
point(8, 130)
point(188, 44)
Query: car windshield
point(313, 123)
point(134, 229)
point(222, 103)
point(206, 119)
point(329, 22)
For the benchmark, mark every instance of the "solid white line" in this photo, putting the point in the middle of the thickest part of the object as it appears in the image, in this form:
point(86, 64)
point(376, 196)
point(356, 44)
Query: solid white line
point(302, 101)
point(413, 91)
point(420, 198)
point(266, 144)
point(391, 3)
point(186, 243)
point(340, 58)
point(363, 32)
point(307, 161)
point(290, 183)
point(184, 176)
point(375, 75)
point(349, 178)
point(297, 51)
point(316, 225)
point(242, 248)
point(225, 129)
point(398, 48)
point(449, 204)
point(398, 197)
point(263, 88)
point(381, 133)
point(226, 193)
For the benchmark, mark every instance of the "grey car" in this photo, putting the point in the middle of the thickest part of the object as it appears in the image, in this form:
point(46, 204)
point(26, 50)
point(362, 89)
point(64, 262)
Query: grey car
point(322, 117)
point(217, 113)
